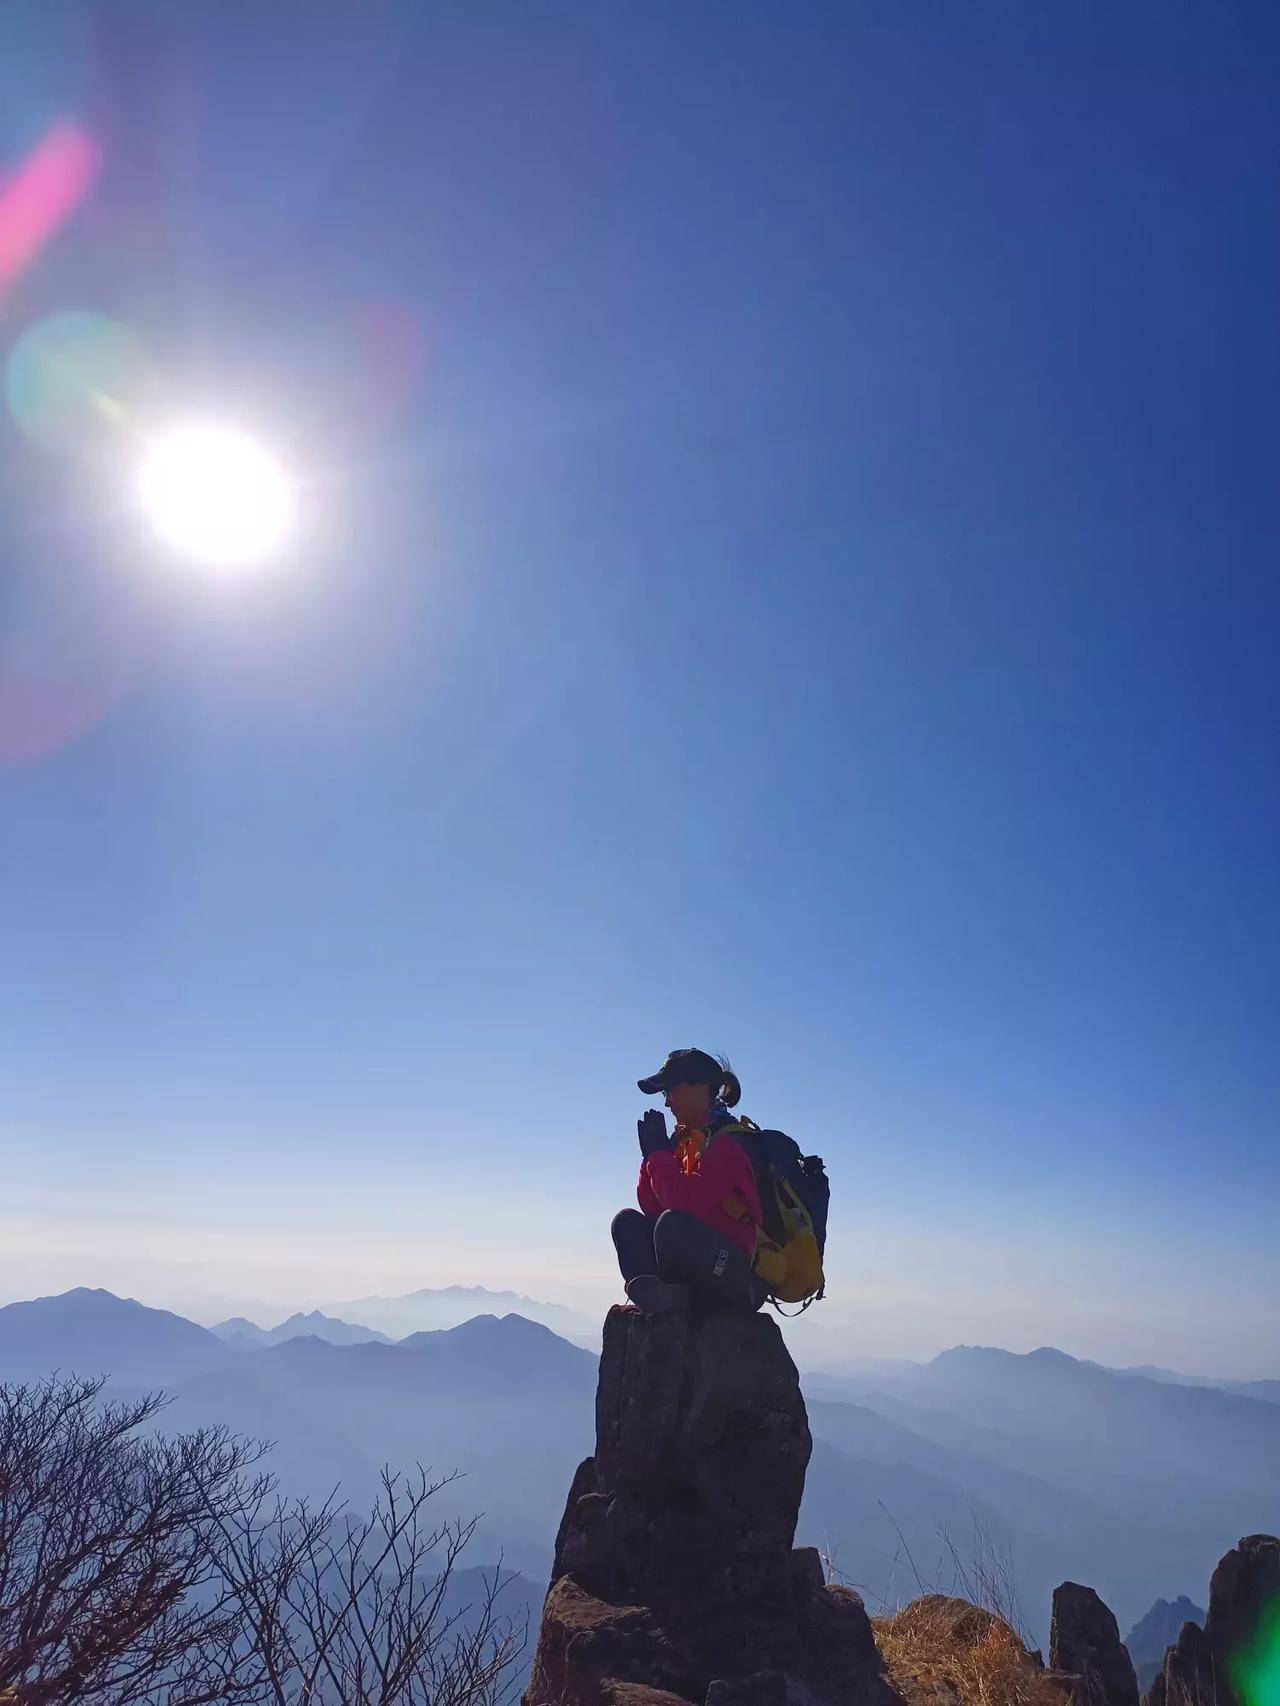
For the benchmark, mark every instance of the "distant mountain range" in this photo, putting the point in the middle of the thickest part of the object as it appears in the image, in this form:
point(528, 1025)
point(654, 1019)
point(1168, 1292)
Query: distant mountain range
point(504, 1401)
point(860, 1375)
point(430, 1310)
point(1267, 1390)
point(1072, 1471)
point(1065, 1469)
point(243, 1335)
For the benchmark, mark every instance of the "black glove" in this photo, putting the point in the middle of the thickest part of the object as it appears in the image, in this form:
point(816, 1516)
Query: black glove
point(653, 1133)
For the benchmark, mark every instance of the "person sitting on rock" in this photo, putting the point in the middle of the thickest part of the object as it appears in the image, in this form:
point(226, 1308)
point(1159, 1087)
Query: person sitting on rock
point(694, 1236)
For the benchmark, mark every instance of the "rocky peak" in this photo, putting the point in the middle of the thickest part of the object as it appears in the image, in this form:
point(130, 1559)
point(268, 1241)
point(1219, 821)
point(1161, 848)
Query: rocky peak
point(1235, 1658)
point(1187, 1678)
point(1085, 1646)
point(1152, 1636)
point(1161, 1624)
point(674, 1569)
point(1243, 1624)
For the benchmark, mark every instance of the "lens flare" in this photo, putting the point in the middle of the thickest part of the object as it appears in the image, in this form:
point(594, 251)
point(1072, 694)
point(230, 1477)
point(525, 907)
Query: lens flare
point(215, 495)
point(69, 651)
point(73, 377)
point(42, 195)
point(1255, 1669)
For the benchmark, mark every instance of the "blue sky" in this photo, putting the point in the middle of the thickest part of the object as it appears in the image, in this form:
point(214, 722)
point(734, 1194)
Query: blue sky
point(788, 564)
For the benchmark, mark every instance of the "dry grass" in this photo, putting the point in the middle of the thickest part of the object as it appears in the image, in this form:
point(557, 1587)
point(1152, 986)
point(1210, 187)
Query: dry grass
point(945, 1652)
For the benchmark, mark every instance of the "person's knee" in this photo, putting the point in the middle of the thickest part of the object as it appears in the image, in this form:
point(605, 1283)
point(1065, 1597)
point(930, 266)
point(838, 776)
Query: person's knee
point(666, 1247)
point(626, 1223)
point(689, 1251)
point(671, 1231)
point(681, 1243)
point(633, 1241)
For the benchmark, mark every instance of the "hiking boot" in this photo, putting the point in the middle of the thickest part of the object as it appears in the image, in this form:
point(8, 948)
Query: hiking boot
point(654, 1296)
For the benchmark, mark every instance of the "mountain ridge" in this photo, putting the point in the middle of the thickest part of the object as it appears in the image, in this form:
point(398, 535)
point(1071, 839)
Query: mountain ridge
point(91, 1331)
point(313, 1324)
point(430, 1309)
point(1153, 1634)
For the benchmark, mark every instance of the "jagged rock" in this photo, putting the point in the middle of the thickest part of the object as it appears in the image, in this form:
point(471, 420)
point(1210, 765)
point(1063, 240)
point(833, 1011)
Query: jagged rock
point(762, 1688)
point(1069, 1684)
point(633, 1694)
point(1222, 1664)
point(674, 1570)
point(1152, 1636)
point(1244, 1590)
point(1084, 1641)
point(1188, 1669)
point(584, 1642)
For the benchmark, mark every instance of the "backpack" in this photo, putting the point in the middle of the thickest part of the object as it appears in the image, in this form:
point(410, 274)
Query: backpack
point(794, 1197)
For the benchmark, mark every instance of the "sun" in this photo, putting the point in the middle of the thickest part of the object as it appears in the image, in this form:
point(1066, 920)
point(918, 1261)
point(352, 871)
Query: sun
point(216, 495)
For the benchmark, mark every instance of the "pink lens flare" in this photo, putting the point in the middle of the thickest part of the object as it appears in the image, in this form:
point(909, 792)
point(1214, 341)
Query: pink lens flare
point(63, 669)
point(43, 193)
point(39, 718)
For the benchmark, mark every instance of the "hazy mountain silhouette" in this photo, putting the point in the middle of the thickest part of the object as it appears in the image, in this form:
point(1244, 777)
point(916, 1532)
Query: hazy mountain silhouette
point(855, 1375)
point(518, 1607)
point(504, 1401)
point(430, 1310)
point(246, 1335)
point(1153, 1634)
point(1031, 1449)
point(525, 1349)
point(1162, 1479)
point(890, 1504)
point(1267, 1390)
point(240, 1334)
point(1135, 1485)
point(1122, 1440)
point(95, 1332)
point(310, 1456)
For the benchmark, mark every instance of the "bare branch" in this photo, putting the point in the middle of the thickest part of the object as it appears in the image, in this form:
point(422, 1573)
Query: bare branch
point(139, 1570)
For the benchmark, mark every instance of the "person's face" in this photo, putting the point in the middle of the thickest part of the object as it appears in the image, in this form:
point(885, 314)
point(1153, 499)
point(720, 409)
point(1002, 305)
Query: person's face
point(689, 1103)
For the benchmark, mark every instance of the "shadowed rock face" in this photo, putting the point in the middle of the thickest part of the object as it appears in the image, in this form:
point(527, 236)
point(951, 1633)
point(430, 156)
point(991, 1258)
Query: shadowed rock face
point(1188, 1670)
point(1244, 1604)
point(674, 1573)
point(1152, 1636)
point(1231, 1661)
point(1084, 1642)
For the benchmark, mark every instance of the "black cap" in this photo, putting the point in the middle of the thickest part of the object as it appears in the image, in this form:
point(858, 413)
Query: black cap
point(683, 1066)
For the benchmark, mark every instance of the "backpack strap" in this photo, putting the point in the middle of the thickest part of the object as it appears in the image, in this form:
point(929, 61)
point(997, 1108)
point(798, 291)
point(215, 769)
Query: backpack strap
point(790, 1314)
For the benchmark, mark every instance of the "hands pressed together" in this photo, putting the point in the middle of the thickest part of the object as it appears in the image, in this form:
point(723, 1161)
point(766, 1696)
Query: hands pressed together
point(652, 1128)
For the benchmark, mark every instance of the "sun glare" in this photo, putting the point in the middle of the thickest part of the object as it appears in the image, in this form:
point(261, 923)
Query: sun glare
point(215, 495)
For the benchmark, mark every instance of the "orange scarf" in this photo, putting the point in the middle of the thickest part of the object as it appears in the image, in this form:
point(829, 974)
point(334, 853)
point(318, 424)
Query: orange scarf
point(688, 1150)
point(688, 1147)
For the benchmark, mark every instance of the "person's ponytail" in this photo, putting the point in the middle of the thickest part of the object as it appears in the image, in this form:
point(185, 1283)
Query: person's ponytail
point(730, 1091)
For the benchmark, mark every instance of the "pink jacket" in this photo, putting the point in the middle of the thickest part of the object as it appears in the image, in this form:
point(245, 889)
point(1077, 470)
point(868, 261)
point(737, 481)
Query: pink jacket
point(723, 1173)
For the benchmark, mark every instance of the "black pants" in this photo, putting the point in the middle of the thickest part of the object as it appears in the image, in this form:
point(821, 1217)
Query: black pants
point(685, 1250)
